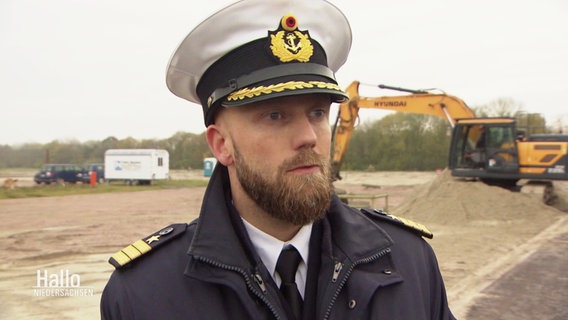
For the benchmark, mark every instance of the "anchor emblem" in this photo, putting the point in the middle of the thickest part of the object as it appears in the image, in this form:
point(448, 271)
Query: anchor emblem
point(290, 44)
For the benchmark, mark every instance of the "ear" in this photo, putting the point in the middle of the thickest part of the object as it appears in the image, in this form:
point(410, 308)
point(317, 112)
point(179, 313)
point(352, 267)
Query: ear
point(220, 144)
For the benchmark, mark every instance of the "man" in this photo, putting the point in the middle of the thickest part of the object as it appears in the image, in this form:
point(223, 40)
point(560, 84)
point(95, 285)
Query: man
point(272, 240)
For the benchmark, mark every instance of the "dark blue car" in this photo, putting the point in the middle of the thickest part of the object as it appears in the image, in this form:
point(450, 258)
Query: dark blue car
point(51, 173)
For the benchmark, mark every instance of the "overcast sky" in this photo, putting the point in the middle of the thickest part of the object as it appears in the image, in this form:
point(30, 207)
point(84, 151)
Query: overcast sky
point(87, 70)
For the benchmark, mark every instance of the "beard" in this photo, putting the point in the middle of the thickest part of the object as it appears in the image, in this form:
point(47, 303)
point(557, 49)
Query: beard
point(298, 199)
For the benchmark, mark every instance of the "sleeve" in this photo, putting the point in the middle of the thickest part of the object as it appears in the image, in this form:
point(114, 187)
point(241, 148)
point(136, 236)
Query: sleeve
point(115, 303)
point(439, 299)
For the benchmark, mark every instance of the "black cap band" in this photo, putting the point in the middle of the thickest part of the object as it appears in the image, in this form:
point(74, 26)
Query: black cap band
point(277, 71)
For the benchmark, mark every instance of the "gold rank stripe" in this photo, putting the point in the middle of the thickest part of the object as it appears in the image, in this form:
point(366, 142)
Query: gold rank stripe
point(291, 85)
point(131, 252)
point(414, 225)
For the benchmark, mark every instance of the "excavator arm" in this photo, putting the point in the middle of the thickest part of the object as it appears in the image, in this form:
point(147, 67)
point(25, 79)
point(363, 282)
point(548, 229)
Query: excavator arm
point(417, 101)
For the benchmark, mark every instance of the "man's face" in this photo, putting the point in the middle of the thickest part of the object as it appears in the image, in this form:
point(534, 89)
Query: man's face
point(281, 156)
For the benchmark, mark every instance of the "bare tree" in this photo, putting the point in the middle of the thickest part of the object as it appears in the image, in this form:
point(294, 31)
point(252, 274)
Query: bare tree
point(501, 107)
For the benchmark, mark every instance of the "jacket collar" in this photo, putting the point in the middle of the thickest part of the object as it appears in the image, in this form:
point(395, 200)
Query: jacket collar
point(220, 235)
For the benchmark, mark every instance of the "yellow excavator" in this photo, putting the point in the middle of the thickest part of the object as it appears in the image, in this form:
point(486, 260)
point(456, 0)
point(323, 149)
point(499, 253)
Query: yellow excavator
point(489, 149)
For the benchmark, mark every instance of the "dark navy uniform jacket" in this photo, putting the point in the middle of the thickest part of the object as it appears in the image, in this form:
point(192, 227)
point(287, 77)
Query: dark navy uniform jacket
point(362, 265)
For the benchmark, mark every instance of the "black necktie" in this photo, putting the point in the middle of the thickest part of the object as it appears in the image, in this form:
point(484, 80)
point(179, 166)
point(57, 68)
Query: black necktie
point(286, 267)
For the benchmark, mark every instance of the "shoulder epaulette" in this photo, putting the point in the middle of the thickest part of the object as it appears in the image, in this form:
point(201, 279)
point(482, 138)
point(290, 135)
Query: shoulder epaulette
point(409, 224)
point(145, 245)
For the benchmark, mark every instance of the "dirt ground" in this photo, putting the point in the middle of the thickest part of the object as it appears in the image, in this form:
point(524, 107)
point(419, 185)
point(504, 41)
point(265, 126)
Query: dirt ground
point(480, 232)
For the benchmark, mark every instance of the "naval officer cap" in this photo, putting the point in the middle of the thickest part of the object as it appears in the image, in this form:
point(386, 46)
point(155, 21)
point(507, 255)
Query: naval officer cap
point(256, 50)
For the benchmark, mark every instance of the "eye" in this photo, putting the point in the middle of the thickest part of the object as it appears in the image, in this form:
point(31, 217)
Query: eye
point(275, 115)
point(318, 113)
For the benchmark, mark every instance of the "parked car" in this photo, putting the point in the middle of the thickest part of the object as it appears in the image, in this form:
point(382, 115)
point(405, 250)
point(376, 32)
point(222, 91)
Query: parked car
point(97, 168)
point(51, 173)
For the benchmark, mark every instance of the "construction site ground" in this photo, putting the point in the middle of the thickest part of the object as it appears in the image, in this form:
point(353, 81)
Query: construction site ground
point(502, 253)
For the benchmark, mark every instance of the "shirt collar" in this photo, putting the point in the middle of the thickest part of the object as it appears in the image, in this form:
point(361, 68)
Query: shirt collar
point(268, 248)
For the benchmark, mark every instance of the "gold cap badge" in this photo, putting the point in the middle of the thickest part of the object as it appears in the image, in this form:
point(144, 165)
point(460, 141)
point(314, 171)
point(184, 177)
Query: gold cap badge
point(290, 44)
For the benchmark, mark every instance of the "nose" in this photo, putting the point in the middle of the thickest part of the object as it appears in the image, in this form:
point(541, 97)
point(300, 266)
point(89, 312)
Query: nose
point(305, 133)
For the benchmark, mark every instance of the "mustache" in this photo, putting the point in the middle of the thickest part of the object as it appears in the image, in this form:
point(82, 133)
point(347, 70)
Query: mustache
point(307, 157)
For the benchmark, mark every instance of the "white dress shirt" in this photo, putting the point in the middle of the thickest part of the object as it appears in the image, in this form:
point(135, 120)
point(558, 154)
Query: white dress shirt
point(268, 248)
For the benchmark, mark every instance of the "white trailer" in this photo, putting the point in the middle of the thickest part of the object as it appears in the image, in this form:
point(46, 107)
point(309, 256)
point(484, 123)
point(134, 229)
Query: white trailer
point(137, 166)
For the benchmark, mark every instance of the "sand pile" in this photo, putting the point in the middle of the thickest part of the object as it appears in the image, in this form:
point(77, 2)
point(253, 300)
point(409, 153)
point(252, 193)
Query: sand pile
point(451, 201)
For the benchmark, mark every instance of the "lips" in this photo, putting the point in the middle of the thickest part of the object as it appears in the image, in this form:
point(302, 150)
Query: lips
point(308, 168)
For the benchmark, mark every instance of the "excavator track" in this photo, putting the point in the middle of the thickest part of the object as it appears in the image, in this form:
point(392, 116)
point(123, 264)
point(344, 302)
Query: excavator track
point(543, 188)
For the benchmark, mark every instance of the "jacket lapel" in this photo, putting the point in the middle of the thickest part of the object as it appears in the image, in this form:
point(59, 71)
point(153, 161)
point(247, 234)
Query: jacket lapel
point(221, 252)
point(350, 239)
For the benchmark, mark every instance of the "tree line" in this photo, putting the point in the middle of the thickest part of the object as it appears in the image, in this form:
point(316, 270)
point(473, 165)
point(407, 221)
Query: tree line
point(398, 141)
point(186, 150)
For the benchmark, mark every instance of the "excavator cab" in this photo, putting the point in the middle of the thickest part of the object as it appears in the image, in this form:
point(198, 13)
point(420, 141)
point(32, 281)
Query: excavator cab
point(484, 148)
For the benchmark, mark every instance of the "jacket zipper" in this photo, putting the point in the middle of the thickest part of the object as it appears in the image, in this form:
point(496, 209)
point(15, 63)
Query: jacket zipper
point(257, 278)
point(337, 270)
